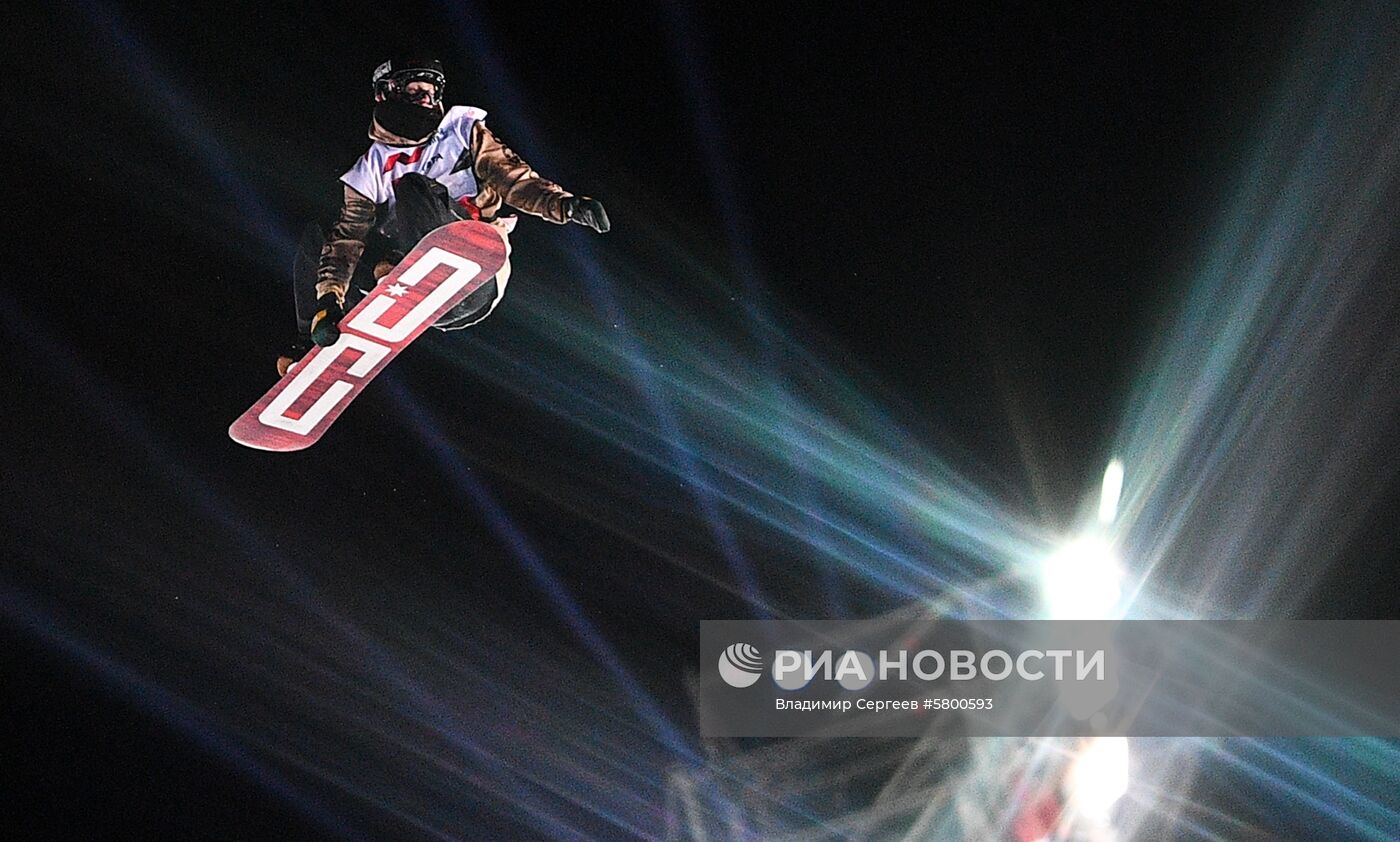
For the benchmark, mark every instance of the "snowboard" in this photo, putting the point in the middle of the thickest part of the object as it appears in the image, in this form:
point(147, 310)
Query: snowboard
point(445, 267)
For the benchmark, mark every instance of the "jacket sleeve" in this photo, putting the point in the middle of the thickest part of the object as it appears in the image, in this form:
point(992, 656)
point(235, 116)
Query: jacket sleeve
point(344, 244)
point(498, 168)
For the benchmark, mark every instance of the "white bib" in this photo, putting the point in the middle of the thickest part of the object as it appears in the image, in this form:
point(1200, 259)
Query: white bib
point(375, 173)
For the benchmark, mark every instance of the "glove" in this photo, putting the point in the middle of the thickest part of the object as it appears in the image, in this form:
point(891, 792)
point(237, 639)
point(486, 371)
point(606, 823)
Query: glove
point(325, 328)
point(293, 355)
point(586, 211)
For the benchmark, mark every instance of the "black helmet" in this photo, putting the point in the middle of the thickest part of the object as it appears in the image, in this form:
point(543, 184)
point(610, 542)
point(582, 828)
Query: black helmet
point(394, 75)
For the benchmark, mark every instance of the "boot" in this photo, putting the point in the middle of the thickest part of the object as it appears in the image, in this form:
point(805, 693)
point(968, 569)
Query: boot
point(293, 354)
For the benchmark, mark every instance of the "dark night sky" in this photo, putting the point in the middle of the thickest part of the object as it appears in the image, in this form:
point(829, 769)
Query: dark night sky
point(1018, 188)
point(966, 205)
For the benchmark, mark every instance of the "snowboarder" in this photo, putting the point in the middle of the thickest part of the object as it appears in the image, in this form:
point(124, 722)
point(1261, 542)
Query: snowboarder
point(427, 166)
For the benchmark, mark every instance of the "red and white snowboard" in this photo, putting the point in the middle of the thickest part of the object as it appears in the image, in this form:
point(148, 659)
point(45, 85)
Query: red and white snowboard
point(445, 267)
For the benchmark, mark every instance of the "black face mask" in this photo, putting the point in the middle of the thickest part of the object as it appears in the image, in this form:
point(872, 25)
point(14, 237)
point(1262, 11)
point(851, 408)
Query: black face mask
point(407, 120)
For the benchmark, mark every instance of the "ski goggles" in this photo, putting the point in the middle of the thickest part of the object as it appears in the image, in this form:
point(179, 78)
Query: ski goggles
point(399, 82)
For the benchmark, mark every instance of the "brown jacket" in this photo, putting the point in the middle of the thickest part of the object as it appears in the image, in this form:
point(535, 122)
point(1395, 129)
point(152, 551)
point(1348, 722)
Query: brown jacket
point(502, 177)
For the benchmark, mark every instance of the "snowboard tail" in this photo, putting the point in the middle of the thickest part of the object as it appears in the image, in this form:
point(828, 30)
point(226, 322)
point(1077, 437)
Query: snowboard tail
point(445, 267)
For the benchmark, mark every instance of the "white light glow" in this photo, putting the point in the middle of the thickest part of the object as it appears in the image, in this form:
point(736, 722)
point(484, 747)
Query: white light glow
point(1082, 581)
point(1098, 777)
point(1112, 490)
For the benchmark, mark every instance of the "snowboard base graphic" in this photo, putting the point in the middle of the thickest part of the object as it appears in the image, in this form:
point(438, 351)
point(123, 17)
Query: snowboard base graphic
point(445, 267)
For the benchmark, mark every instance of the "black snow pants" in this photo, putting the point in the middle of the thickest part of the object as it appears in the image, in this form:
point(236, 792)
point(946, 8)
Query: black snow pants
point(420, 206)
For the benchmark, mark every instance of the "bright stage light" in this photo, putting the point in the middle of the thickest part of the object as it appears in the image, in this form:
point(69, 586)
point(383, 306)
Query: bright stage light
point(1112, 490)
point(1097, 778)
point(1082, 581)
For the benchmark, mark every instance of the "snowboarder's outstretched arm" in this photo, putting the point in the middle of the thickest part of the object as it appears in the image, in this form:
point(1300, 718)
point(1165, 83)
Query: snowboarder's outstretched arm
point(505, 178)
point(344, 245)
